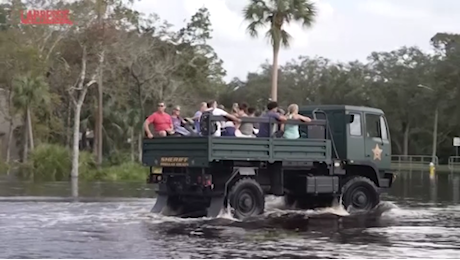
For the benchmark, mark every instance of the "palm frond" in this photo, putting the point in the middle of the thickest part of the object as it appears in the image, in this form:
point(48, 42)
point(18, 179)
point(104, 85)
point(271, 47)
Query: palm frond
point(285, 38)
point(256, 14)
point(119, 128)
point(253, 27)
point(257, 10)
point(29, 90)
point(276, 13)
point(303, 11)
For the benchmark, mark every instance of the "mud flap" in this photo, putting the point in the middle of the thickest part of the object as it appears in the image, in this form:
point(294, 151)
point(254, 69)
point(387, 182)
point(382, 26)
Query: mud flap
point(162, 202)
point(216, 206)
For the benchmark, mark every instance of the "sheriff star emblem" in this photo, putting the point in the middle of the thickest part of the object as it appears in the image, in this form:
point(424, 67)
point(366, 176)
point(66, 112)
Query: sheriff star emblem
point(377, 152)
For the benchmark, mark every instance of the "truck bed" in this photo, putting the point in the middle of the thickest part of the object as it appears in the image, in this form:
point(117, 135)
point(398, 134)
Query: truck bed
point(200, 151)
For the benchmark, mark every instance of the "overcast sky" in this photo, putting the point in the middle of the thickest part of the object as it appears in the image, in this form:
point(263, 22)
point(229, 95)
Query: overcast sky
point(344, 30)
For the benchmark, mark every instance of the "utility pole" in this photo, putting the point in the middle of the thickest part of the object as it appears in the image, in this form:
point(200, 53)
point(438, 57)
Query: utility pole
point(435, 125)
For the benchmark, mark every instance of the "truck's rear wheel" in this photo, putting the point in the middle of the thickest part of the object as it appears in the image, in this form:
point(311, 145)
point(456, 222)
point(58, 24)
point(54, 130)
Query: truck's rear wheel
point(247, 198)
point(360, 193)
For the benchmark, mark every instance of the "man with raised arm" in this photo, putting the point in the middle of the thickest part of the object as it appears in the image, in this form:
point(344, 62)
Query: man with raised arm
point(264, 128)
point(215, 111)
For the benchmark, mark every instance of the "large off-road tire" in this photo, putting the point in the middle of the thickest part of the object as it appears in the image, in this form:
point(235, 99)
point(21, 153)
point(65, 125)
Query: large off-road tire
point(247, 198)
point(360, 193)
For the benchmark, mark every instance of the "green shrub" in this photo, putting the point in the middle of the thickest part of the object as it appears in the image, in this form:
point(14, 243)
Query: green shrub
point(117, 158)
point(51, 162)
point(128, 171)
point(86, 164)
point(3, 166)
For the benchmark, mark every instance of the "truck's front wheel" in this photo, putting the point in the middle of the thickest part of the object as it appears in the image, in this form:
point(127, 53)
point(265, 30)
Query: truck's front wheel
point(247, 198)
point(360, 193)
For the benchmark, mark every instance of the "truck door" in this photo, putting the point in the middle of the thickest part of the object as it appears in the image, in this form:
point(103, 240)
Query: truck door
point(355, 140)
point(377, 147)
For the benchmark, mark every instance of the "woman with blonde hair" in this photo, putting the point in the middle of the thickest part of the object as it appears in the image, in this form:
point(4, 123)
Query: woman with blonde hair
point(292, 131)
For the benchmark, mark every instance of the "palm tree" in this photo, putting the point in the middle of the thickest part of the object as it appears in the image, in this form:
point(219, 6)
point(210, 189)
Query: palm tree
point(120, 124)
point(275, 14)
point(28, 92)
point(101, 9)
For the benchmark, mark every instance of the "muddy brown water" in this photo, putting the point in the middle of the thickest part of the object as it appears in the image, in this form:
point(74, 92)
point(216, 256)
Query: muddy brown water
point(419, 218)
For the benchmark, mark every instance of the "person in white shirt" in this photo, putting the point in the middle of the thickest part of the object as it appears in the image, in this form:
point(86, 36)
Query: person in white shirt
point(212, 106)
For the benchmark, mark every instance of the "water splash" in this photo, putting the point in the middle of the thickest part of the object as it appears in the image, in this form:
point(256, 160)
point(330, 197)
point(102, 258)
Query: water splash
point(274, 205)
point(227, 213)
point(336, 208)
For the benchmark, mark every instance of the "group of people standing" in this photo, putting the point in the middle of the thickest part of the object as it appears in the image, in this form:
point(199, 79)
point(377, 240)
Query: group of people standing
point(166, 125)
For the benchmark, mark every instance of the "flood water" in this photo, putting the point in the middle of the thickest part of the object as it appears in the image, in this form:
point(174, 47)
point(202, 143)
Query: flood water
point(420, 219)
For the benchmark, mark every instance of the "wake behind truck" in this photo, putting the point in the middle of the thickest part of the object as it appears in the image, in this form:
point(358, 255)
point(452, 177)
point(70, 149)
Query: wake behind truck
point(345, 152)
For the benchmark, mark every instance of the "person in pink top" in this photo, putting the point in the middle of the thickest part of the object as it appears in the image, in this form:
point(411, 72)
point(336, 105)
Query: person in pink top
point(162, 123)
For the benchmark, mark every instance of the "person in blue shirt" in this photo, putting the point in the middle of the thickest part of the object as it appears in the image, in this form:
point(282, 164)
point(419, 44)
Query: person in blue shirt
point(264, 128)
point(292, 131)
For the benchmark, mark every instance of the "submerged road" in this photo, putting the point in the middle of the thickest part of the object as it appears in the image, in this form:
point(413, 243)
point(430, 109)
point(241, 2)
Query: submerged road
point(420, 218)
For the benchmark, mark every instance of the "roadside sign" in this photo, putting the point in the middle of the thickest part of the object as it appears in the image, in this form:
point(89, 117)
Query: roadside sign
point(456, 141)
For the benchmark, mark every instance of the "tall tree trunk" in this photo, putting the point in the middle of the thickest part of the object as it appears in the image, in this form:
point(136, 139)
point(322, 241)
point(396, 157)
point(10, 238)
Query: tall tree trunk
point(101, 7)
point(133, 142)
point(139, 146)
point(96, 132)
point(76, 140)
point(141, 119)
point(30, 130)
point(435, 136)
point(100, 120)
point(274, 92)
point(81, 91)
point(8, 144)
point(141, 106)
point(25, 151)
point(75, 149)
point(78, 103)
point(68, 128)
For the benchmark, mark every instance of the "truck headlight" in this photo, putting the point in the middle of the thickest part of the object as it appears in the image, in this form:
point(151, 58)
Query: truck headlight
point(337, 164)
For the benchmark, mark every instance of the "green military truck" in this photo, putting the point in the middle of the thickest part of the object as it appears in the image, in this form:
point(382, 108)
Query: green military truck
point(343, 154)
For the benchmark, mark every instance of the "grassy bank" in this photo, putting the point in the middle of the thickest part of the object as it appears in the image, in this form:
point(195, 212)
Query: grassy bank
point(50, 162)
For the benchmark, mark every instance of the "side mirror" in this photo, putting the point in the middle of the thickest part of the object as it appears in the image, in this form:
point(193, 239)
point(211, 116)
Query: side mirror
point(350, 118)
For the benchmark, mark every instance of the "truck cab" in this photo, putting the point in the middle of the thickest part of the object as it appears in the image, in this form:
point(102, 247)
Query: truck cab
point(342, 155)
point(360, 133)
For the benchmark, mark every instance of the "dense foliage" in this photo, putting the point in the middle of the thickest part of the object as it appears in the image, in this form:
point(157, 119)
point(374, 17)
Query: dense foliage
point(119, 63)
